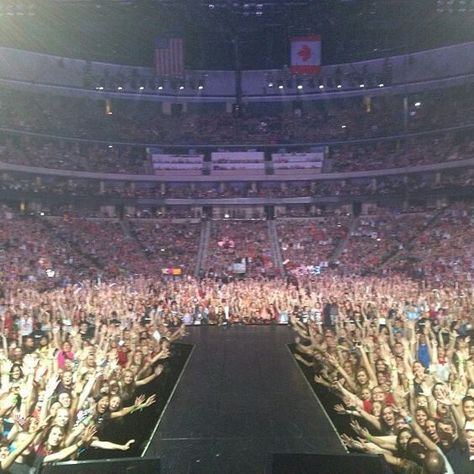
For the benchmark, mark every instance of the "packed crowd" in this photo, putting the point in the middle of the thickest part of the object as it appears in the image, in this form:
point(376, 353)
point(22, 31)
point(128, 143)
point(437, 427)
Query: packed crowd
point(397, 153)
point(171, 245)
point(75, 352)
point(378, 235)
point(442, 251)
point(50, 252)
point(15, 183)
point(311, 241)
point(425, 243)
point(73, 361)
point(317, 121)
point(399, 357)
point(75, 156)
point(29, 252)
point(87, 314)
point(88, 156)
point(239, 247)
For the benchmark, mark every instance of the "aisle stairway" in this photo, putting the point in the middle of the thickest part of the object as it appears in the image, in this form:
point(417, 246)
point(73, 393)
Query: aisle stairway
point(342, 244)
point(430, 223)
point(48, 225)
point(275, 247)
point(203, 247)
point(130, 233)
point(125, 225)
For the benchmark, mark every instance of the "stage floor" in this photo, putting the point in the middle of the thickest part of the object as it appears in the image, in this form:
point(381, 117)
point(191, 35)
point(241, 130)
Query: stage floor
point(241, 398)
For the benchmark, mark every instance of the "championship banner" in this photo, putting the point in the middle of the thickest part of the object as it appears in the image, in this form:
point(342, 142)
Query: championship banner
point(306, 54)
point(169, 56)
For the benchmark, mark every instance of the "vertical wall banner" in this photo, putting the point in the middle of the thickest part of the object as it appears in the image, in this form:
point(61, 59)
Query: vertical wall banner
point(306, 54)
point(169, 56)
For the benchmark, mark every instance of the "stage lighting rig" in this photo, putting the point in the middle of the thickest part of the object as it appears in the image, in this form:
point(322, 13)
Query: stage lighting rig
point(248, 8)
point(18, 8)
point(455, 6)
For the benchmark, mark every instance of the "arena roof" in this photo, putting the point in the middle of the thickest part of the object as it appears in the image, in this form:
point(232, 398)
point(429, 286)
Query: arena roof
point(122, 31)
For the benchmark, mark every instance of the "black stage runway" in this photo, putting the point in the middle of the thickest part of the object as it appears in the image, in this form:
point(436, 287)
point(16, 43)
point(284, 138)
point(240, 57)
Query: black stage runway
point(241, 398)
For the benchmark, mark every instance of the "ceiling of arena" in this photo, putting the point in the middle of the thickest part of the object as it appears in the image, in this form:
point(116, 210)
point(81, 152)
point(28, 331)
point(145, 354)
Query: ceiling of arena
point(123, 31)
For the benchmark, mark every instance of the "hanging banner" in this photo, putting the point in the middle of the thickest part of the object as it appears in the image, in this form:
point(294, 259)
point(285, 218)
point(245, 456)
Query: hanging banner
point(306, 54)
point(169, 57)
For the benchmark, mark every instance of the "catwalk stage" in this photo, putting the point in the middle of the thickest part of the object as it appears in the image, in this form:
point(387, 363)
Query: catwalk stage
point(241, 398)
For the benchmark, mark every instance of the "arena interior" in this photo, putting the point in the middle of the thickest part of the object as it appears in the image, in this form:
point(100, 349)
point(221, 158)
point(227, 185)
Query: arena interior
point(237, 237)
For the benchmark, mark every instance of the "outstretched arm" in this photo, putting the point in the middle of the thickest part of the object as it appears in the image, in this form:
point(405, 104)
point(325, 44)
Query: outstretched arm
point(11, 458)
point(85, 440)
point(97, 443)
point(140, 403)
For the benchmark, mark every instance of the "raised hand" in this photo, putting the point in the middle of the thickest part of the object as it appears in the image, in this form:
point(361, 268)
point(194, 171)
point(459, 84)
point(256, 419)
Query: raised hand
point(45, 423)
point(139, 400)
point(127, 445)
point(361, 431)
point(51, 385)
point(332, 360)
point(445, 398)
point(149, 401)
point(88, 434)
point(351, 442)
point(319, 379)
point(340, 410)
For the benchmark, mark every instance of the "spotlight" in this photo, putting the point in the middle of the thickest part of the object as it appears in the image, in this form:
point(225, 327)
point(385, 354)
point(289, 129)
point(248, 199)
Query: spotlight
point(200, 87)
point(361, 85)
point(339, 86)
point(181, 87)
point(321, 86)
point(120, 88)
point(141, 88)
point(299, 86)
point(381, 84)
point(280, 85)
point(270, 84)
point(417, 104)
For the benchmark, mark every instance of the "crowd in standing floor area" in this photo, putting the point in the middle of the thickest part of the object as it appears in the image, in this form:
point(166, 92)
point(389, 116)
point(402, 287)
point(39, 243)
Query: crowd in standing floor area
point(75, 352)
point(401, 361)
point(74, 356)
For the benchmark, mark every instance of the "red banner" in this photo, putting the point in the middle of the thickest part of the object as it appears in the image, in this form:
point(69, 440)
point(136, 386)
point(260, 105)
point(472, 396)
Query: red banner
point(306, 54)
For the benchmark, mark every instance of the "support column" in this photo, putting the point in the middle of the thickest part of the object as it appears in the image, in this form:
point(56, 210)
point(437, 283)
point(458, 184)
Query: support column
point(405, 114)
point(166, 108)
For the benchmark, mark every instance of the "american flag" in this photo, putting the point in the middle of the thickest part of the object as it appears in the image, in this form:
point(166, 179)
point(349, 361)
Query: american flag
point(169, 58)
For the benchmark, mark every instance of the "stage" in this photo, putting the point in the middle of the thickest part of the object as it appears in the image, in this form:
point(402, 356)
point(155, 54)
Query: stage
point(241, 398)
